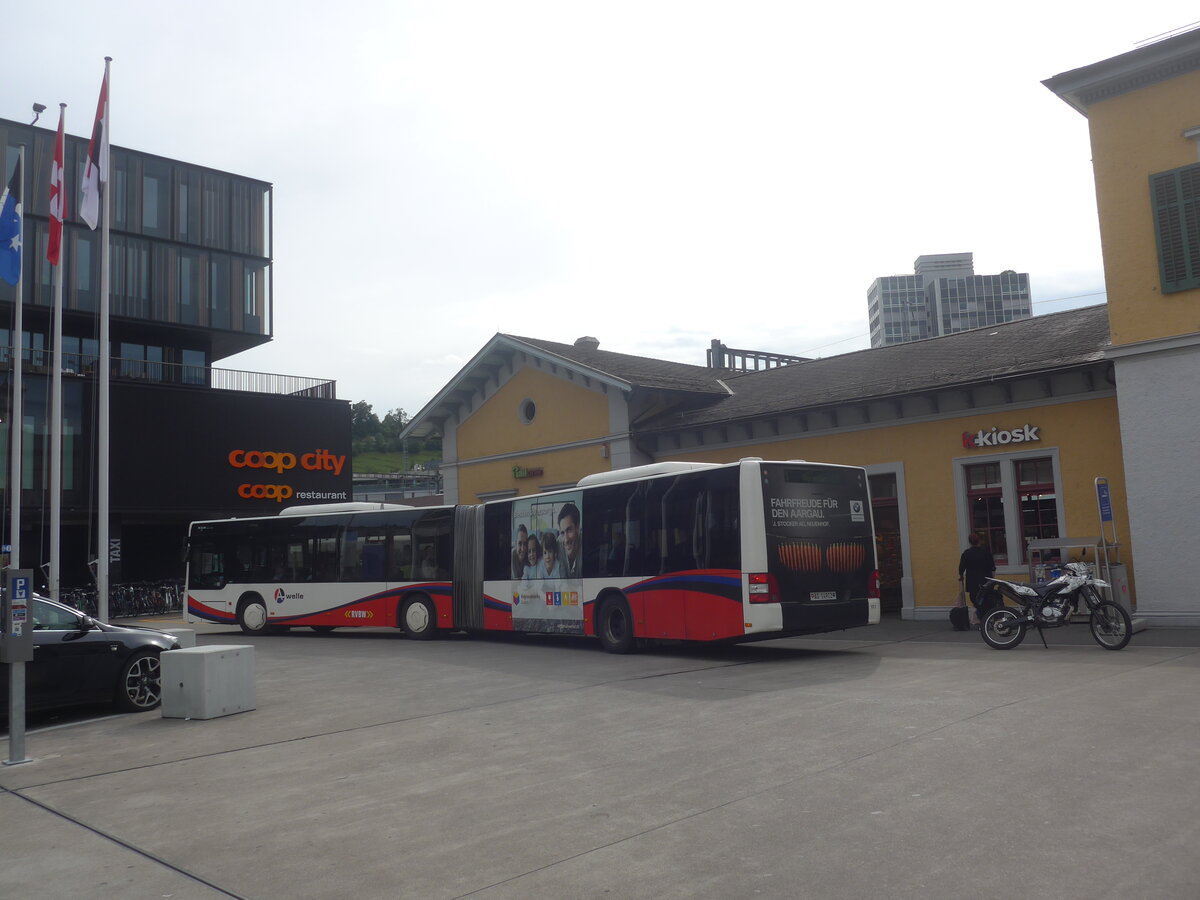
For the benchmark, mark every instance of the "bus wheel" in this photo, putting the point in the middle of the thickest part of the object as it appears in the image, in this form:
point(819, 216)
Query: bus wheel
point(252, 615)
point(614, 625)
point(419, 618)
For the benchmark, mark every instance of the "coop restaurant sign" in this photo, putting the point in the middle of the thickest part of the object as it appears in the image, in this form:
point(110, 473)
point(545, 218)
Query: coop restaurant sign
point(996, 437)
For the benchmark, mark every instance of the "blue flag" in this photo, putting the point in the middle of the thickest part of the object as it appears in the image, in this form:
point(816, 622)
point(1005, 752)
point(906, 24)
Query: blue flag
point(10, 229)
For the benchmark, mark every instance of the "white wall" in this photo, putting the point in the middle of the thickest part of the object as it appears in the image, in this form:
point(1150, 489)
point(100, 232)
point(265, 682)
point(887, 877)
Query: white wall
point(1158, 395)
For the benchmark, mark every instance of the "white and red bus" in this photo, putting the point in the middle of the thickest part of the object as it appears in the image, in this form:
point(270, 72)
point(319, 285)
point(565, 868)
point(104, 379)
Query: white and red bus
point(324, 566)
point(677, 551)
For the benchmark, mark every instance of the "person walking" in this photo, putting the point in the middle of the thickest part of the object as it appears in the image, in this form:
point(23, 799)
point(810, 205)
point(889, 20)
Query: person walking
point(975, 566)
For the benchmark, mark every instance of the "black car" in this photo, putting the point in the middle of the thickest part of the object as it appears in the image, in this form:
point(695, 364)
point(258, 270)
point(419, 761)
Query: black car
point(78, 660)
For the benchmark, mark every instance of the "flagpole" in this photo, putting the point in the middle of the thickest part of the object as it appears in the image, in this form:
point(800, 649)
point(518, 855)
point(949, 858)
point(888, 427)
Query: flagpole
point(105, 364)
point(58, 185)
point(17, 424)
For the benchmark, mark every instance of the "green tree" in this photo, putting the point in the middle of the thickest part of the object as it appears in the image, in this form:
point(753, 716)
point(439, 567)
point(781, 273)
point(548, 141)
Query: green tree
point(365, 428)
point(389, 429)
point(363, 422)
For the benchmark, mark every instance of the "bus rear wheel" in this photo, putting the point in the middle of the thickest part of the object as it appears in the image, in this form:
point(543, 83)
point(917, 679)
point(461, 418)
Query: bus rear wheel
point(418, 617)
point(614, 625)
point(252, 615)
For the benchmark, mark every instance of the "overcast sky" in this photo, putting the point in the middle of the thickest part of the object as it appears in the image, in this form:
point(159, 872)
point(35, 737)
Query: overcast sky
point(655, 174)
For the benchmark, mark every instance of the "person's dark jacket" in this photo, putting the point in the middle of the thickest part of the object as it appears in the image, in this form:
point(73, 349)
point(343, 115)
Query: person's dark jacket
point(975, 565)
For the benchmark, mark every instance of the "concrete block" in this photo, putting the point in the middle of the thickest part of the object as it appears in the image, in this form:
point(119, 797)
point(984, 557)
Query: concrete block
point(207, 682)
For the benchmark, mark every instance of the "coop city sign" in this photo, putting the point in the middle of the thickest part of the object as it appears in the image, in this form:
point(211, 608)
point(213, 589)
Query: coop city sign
point(996, 437)
point(281, 461)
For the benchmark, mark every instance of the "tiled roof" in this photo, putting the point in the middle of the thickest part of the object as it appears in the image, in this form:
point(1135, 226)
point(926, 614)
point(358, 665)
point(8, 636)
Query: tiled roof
point(1053, 341)
point(638, 371)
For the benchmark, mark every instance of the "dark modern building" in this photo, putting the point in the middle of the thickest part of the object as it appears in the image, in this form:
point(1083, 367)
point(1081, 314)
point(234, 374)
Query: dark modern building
point(190, 285)
point(943, 296)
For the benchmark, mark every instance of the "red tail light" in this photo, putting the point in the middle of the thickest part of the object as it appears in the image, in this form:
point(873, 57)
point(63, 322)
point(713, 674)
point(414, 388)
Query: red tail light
point(873, 585)
point(763, 588)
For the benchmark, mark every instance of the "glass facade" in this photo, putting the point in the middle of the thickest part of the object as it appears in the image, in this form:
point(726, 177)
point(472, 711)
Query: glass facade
point(189, 246)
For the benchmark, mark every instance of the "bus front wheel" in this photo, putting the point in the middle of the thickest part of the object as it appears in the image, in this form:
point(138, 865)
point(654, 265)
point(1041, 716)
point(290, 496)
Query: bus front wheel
point(419, 618)
point(614, 625)
point(252, 615)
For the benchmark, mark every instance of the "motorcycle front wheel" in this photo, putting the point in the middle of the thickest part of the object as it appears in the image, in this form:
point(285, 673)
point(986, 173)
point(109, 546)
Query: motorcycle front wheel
point(1003, 629)
point(1111, 626)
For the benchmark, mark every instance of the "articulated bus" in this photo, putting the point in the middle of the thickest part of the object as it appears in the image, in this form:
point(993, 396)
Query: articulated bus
point(674, 551)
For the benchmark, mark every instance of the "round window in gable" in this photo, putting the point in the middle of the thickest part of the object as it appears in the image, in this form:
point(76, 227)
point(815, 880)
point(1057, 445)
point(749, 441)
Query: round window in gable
point(528, 411)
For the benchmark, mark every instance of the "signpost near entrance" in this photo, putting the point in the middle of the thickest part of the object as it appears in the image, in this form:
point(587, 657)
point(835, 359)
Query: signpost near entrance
point(16, 649)
point(1114, 570)
point(1104, 500)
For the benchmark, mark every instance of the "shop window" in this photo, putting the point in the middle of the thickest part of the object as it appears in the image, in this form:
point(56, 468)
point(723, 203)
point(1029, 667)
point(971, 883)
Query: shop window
point(1039, 506)
point(985, 503)
point(1010, 501)
point(1175, 199)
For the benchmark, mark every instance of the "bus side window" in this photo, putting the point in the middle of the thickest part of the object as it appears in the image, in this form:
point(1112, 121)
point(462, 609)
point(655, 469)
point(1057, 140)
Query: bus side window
point(434, 544)
point(400, 562)
point(372, 562)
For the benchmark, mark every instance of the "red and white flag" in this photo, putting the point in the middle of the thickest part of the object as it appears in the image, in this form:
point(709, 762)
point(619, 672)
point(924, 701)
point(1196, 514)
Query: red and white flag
point(58, 195)
point(95, 171)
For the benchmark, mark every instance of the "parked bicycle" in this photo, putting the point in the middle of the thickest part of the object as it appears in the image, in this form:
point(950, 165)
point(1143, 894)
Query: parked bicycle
point(1051, 606)
point(150, 598)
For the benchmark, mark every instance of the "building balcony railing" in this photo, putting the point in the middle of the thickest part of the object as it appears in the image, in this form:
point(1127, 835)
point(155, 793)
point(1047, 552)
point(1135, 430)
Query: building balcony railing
point(146, 371)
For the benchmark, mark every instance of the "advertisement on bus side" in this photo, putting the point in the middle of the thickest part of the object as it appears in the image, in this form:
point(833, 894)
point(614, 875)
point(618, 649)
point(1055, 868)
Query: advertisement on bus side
point(547, 564)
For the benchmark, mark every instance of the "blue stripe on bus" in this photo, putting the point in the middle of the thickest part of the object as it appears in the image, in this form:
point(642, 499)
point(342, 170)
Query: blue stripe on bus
point(490, 602)
point(728, 587)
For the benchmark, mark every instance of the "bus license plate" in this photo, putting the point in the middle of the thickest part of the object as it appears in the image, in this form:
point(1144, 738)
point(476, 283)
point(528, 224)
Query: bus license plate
point(823, 595)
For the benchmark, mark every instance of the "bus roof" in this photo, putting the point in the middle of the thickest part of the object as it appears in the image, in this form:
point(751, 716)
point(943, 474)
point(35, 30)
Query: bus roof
point(314, 509)
point(671, 467)
point(678, 467)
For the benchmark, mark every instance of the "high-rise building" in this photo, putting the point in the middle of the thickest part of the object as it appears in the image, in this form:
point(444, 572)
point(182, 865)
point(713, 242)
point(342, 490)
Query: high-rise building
point(943, 296)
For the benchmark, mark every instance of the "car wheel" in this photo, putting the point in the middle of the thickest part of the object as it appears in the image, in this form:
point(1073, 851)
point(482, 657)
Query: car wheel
point(140, 686)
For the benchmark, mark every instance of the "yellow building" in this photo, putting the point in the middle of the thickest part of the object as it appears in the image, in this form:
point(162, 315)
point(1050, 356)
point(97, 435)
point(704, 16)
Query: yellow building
point(1000, 430)
point(1003, 430)
point(1143, 111)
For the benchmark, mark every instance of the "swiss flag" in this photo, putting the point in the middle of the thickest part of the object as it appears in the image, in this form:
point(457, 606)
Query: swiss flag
point(58, 195)
point(95, 171)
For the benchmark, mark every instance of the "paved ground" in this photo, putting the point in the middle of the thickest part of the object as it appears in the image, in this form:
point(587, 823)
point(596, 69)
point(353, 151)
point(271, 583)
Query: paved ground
point(905, 760)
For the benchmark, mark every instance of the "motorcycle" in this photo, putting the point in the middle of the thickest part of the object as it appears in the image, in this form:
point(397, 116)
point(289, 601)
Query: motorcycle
point(1051, 605)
